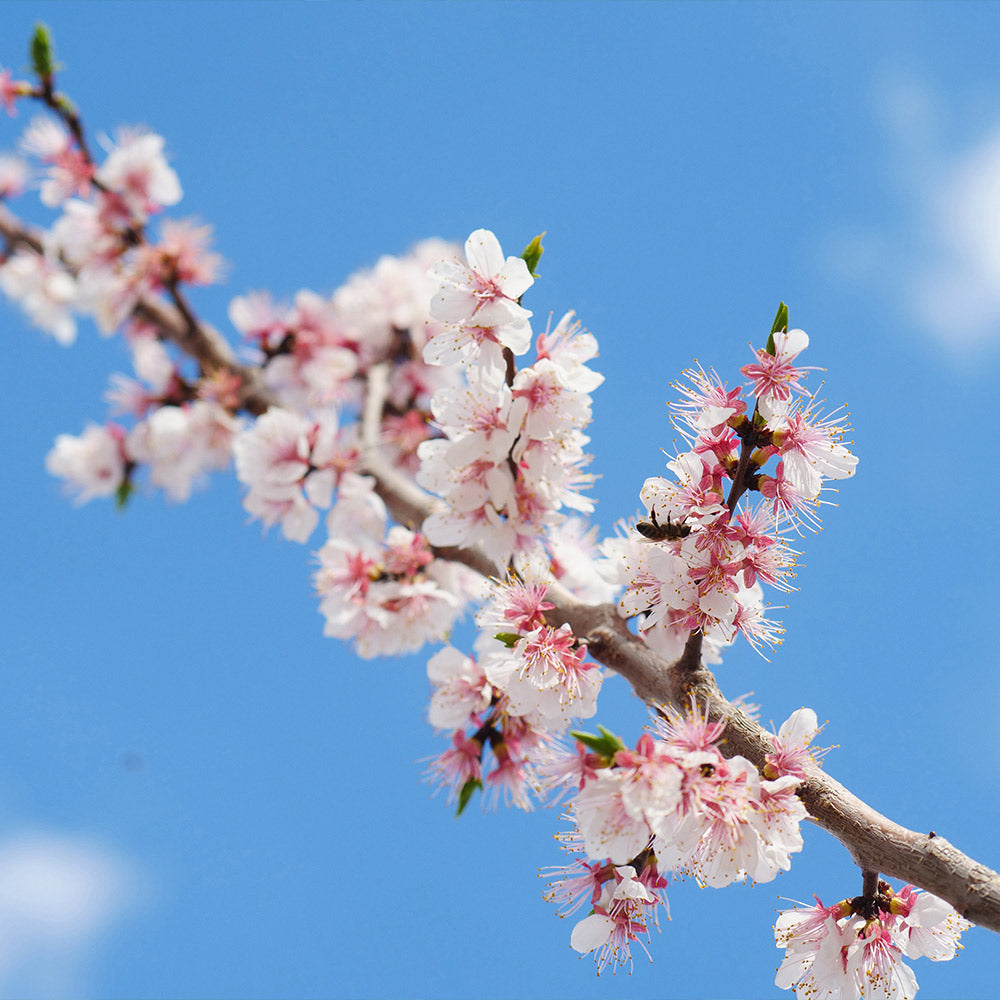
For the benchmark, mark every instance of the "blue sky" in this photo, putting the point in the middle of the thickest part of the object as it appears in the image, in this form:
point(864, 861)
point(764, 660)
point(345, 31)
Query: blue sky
point(199, 794)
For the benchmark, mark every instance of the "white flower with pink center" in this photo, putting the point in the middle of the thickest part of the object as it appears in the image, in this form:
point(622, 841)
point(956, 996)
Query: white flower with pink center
point(461, 689)
point(569, 347)
point(484, 290)
point(137, 171)
point(774, 376)
point(289, 463)
point(811, 449)
point(620, 915)
point(92, 464)
point(382, 589)
point(181, 444)
point(839, 952)
point(929, 927)
point(44, 290)
point(706, 404)
point(604, 822)
point(791, 745)
point(546, 678)
point(13, 176)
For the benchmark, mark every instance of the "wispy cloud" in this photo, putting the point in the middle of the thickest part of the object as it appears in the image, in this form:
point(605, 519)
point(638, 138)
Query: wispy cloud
point(58, 896)
point(940, 253)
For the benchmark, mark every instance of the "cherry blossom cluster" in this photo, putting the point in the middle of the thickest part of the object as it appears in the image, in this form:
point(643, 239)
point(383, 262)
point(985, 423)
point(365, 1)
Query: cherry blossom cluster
point(855, 948)
point(698, 562)
point(97, 258)
point(511, 456)
point(674, 804)
point(527, 681)
point(313, 350)
point(180, 433)
point(382, 586)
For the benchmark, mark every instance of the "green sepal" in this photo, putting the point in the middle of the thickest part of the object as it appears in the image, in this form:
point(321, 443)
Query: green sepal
point(780, 323)
point(41, 53)
point(471, 786)
point(123, 493)
point(532, 254)
point(606, 745)
point(509, 639)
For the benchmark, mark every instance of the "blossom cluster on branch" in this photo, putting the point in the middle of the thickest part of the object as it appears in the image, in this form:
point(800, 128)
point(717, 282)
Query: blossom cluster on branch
point(398, 417)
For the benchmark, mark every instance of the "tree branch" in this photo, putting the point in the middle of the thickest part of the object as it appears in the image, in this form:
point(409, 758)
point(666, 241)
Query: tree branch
point(195, 338)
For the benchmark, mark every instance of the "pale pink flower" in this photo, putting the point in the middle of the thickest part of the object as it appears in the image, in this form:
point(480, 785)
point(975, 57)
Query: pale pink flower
point(259, 319)
point(835, 953)
point(625, 909)
point(45, 138)
point(461, 689)
point(484, 291)
point(13, 176)
point(93, 464)
point(11, 90)
point(575, 884)
point(44, 290)
point(706, 403)
point(774, 376)
point(459, 764)
point(791, 745)
point(184, 254)
point(606, 826)
point(929, 926)
point(137, 171)
point(546, 678)
point(181, 444)
point(568, 347)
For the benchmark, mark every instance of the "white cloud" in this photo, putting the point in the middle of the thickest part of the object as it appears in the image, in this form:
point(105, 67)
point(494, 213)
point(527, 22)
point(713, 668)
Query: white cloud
point(940, 256)
point(58, 896)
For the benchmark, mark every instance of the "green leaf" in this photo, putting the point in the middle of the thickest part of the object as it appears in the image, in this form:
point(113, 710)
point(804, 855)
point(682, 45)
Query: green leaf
point(471, 786)
point(780, 323)
point(41, 52)
point(606, 745)
point(123, 493)
point(509, 639)
point(532, 254)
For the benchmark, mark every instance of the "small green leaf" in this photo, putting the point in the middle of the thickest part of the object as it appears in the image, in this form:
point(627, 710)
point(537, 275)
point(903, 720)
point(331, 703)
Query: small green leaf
point(509, 639)
point(41, 52)
point(470, 787)
point(606, 745)
point(123, 493)
point(532, 254)
point(780, 323)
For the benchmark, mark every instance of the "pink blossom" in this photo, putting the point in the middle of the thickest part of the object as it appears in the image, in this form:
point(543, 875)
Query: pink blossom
point(459, 764)
point(44, 289)
point(625, 910)
point(774, 375)
point(461, 689)
point(137, 171)
point(184, 255)
point(836, 952)
point(11, 90)
point(485, 290)
point(13, 176)
point(92, 464)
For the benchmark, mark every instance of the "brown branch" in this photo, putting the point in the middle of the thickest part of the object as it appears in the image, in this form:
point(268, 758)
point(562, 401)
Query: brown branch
point(874, 841)
point(195, 338)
